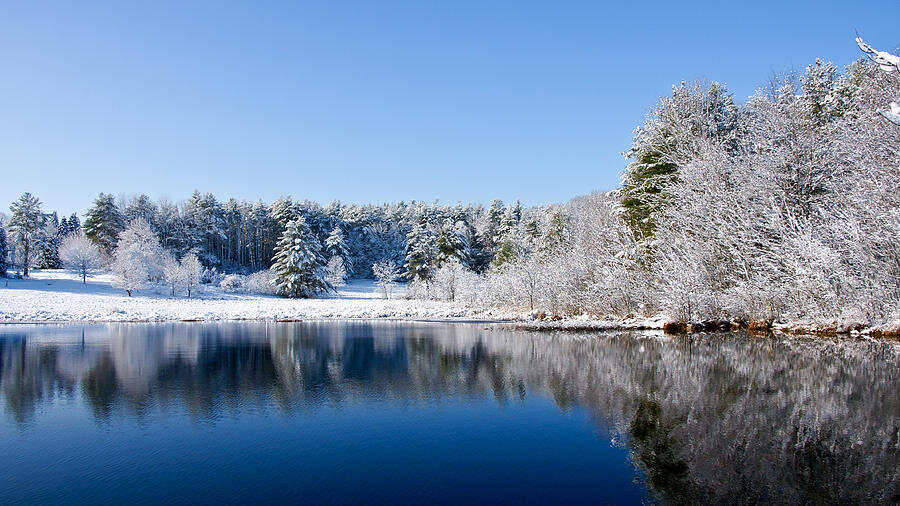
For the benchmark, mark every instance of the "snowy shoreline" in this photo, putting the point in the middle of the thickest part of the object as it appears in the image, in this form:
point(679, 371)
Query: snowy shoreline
point(59, 297)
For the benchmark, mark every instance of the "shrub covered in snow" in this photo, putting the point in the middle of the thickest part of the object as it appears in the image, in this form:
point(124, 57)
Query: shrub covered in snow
point(261, 282)
point(233, 283)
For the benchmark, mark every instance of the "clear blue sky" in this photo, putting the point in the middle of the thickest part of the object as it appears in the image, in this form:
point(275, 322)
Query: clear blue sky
point(372, 101)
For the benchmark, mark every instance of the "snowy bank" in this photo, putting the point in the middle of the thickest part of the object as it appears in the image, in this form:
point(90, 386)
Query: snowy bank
point(59, 296)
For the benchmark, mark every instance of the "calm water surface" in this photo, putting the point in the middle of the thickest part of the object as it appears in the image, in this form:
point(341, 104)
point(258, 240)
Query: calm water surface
point(349, 412)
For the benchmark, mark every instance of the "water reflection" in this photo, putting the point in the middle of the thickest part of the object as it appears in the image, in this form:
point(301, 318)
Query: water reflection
point(709, 418)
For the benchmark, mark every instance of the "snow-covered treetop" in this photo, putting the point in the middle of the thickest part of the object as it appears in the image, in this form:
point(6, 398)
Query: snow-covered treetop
point(888, 63)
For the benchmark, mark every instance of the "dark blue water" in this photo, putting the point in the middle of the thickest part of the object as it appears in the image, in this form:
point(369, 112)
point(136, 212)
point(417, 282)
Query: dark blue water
point(350, 412)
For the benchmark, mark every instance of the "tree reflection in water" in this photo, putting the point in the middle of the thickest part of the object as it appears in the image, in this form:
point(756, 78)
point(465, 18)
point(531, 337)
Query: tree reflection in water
point(719, 418)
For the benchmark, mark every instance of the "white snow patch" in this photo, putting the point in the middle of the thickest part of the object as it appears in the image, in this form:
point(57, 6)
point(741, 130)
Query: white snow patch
point(56, 295)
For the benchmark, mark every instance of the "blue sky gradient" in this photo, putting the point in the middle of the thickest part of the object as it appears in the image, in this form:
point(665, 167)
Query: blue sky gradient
point(372, 101)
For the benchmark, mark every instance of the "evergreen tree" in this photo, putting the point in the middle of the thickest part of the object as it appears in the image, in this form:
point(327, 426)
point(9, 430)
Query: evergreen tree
point(642, 187)
point(826, 95)
point(298, 263)
point(336, 246)
point(670, 136)
point(104, 222)
point(509, 222)
point(508, 250)
point(450, 245)
point(142, 207)
point(285, 210)
point(494, 217)
point(73, 225)
point(555, 235)
point(64, 227)
point(204, 228)
point(4, 253)
point(532, 230)
point(49, 247)
point(27, 226)
point(419, 255)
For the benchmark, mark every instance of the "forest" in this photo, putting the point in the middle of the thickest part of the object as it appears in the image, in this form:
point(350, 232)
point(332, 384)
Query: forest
point(783, 208)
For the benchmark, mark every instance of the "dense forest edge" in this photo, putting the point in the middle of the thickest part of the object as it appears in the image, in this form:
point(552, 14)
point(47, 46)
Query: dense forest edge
point(782, 212)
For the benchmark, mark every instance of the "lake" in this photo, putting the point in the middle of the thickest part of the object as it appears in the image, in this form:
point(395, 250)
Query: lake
point(380, 411)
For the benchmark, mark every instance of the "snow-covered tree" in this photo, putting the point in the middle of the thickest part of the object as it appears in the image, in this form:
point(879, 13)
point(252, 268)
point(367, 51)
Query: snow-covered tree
point(129, 268)
point(191, 272)
point(555, 235)
point(420, 254)
point(336, 246)
point(298, 264)
point(69, 225)
point(138, 257)
point(671, 136)
point(450, 280)
point(80, 254)
point(142, 207)
point(285, 210)
point(450, 244)
point(204, 228)
point(104, 222)
point(173, 273)
point(337, 273)
point(27, 227)
point(4, 253)
point(889, 63)
point(48, 256)
point(386, 273)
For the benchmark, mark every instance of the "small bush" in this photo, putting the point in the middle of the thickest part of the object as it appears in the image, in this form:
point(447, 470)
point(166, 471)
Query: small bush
point(233, 283)
point(261, 282)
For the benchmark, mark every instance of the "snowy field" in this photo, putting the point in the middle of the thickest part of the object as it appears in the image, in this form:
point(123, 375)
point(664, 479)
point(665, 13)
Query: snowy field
point(59, 296)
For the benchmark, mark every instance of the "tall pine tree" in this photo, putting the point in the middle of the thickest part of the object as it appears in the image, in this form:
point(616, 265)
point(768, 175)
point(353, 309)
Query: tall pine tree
point(27, 226)
point(298, 263)
point(336, 246)
point(4, 253)
point(419, 254)
point(104, 222)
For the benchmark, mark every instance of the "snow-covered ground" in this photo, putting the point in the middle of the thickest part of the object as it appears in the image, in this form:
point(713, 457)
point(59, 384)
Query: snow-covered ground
point(59, 296)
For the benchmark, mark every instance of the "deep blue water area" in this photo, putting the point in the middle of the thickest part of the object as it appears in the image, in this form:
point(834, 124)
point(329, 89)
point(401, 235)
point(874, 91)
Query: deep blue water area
point(425, 413)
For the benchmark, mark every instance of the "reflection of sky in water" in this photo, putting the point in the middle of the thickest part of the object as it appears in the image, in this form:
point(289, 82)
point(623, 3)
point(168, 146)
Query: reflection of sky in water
point(436, 412)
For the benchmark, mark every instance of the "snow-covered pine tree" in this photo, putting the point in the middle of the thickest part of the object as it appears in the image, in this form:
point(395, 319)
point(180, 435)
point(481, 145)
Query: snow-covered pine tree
point(555, 235)
point(337, 273)
point(298, 263)
point(450, 245)
point(494, 216)
point(285, 210)
point(826, 94)
point(509, 221)
point(204, 223)
point(533, 230)
point(4, 253)
point(669, 137)
point(27, 226)
point(419, 254)
point(103, 223)
point(142, 207)
point(48, 258)
point(74, 224)
point(336, 246)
